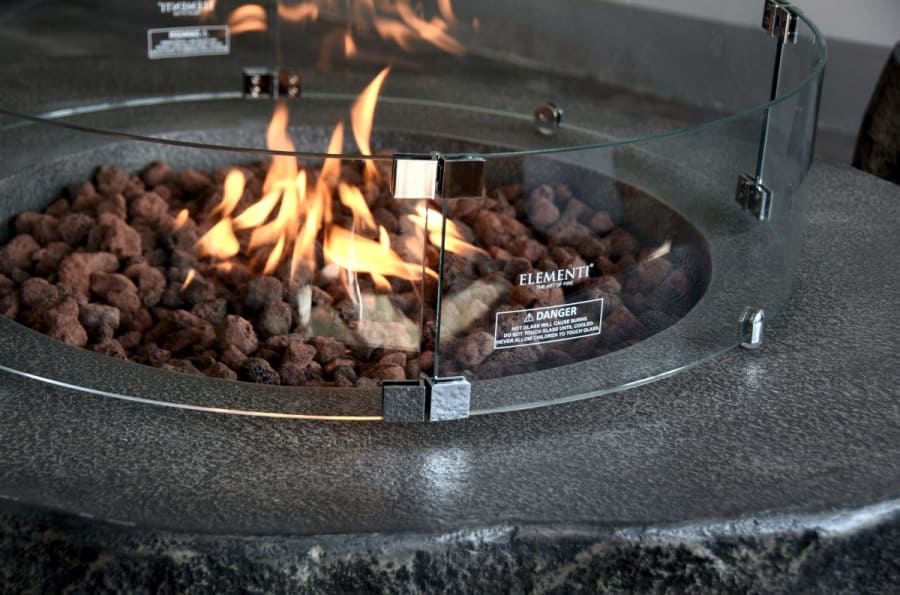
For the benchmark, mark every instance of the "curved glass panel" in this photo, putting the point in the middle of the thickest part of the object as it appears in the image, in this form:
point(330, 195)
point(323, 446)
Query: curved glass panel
point(340, 198)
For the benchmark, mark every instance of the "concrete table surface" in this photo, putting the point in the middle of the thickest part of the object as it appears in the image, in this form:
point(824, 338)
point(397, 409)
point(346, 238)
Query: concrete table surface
point(776, 469)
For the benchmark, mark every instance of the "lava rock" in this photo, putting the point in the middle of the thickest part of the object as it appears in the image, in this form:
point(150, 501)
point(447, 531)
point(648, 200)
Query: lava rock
point(258, 370)
point(237, 332)
point(99, 320)
point(17, 254)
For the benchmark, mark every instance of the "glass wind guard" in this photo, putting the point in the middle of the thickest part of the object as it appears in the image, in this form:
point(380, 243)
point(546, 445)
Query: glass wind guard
point(557, 266)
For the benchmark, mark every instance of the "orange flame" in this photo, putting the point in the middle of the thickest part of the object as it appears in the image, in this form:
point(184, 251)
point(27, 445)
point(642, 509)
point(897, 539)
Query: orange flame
point(454, 242)
point(247, 18)
point(234, 189)
point(395, 21)
point(299, 13)
point(293, 213)
point(349, 45)
point(361, 116)
point(433, 31)
point(356, 253)
point(219, 242)
point(188, 279)
point(181, 219)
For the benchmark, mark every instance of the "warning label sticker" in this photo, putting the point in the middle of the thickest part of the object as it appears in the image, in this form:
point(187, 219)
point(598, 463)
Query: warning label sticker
point(184, 42)
point(518, 328)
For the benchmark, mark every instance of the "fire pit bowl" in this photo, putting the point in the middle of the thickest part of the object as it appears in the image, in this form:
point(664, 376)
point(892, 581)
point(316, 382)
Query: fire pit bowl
point(482, 227)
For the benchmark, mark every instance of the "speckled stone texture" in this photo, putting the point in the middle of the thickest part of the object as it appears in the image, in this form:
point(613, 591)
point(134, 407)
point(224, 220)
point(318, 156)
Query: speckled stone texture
point(808, 555)
point(776, 470)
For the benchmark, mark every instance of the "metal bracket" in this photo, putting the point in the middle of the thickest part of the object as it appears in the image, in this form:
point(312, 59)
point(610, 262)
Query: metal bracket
point(267, 83)
point(448, 398)
point(548, 118)
point(780, 20)
point(753, 196)
point(427, 176)
point(403, 401)
point(429, 399)
point(753, 328)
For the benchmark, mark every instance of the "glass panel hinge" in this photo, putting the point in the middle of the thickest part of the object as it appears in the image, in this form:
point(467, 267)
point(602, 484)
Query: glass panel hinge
point(754, 197)
point(780, 20)
point(268, 83)
point(431, 175)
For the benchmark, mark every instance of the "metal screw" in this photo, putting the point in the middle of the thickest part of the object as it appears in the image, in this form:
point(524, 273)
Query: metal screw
point(548, 118)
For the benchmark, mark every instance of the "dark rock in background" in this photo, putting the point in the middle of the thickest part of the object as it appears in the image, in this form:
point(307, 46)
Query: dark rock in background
point(878, 145)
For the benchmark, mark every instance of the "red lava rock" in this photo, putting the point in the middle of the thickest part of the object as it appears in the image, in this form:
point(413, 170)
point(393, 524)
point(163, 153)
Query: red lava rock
point(154, 355)
point(117, 290)
point(577, 211)
point(262, 291)
point(74, 227)
point(191, 333)
point(17, 254)
point(43, 228)
point(134, 188)
point(397, 358)
point(524, 295)
point(601, 223)
point(237, 332)
point(38, 294)
point(194, 324)
point(181, 365)
point(112, 234)
point(258, 370)
point(232, 357)
point(151, 283)
point(622, 242)
point(606, 266)
point(47, 259)
point(294, 375)
point(114, 205)
point(131, 339)
point(9, 303)
point(473, 349)
point(99, 321)
point(151, 208)
point(110, 180)
point(386, 372)
point(213, 312)
point(139, 320)
point(528, 248)
point(199, 291)
point(345, 376)
point(58, 208)
point(621, 325)
point(110, 347)
point(220, 370)
point(156, 173)
point(61, 322)
point(651, 273)
point(328, 349)
point(299, 354)
point(192, 181)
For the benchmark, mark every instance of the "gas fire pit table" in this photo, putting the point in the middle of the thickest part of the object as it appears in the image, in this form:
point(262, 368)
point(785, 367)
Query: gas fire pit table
point(464, 257)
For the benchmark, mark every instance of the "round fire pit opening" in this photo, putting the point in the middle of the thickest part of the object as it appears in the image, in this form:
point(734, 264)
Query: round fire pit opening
point(635, 242)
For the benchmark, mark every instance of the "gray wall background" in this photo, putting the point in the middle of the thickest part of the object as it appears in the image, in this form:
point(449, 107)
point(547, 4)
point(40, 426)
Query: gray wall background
point(860, 36)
